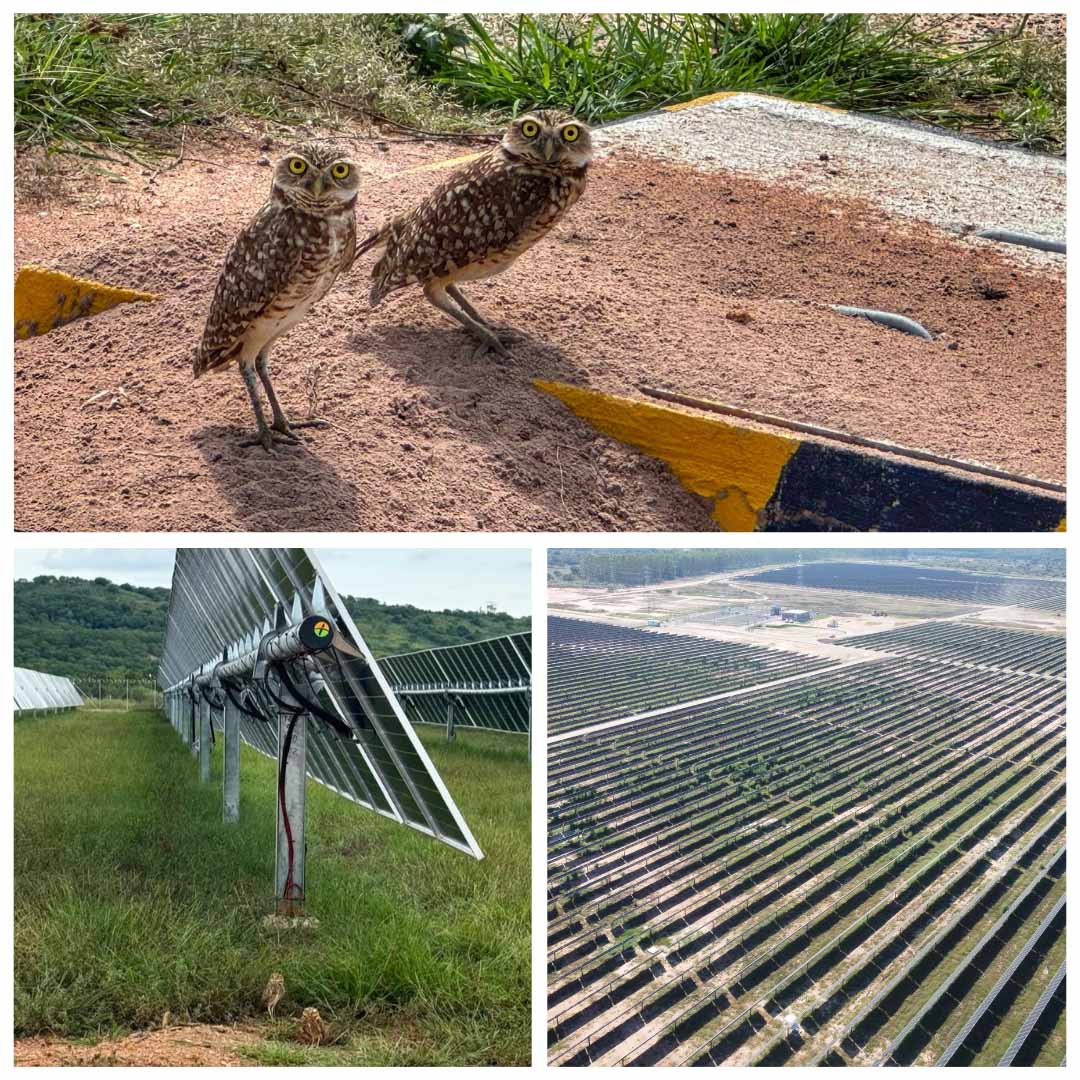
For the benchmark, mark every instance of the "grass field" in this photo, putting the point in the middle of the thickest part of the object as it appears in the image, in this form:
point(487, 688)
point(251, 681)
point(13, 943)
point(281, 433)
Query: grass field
point(83, 81)
point(132, 898)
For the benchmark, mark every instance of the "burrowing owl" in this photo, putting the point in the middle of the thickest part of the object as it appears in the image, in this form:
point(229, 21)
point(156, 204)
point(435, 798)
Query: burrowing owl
point(284, 261)
point(274, 992)
point(478, 221)
point(313, 1028)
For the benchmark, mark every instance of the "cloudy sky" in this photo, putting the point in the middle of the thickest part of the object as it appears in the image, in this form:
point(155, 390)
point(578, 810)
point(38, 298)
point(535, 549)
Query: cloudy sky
point(426, 577)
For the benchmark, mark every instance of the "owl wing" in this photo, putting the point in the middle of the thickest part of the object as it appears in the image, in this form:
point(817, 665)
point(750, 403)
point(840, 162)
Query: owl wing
point(478, 212)
point(260, 260)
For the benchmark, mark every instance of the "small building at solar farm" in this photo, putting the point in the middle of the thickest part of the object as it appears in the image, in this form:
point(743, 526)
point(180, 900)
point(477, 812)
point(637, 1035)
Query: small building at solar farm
point(795, 615)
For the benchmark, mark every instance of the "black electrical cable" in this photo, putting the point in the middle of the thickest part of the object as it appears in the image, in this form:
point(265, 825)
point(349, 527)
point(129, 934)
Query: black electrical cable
point(364, 724)
point(313, 706)
point(254, 714)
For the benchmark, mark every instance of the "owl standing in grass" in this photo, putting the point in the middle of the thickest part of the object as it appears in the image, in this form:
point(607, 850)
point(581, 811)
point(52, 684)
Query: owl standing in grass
point(273, 992)
point(284, 261)
point(480, 219)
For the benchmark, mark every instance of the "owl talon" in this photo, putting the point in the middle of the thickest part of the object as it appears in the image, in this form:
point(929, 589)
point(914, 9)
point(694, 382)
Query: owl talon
point(282, 428)
point(267, 437)
point(490, 344)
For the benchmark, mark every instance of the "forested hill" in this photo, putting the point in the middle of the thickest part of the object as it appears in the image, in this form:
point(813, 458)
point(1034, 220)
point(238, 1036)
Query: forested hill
point(77, 627)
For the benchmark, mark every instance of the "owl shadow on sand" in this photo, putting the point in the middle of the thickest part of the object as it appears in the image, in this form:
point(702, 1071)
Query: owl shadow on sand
point(485, 397)
point(293, 489)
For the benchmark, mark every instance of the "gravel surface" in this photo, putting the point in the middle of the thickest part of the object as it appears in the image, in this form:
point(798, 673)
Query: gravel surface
point(959, 184)
point(711, 282)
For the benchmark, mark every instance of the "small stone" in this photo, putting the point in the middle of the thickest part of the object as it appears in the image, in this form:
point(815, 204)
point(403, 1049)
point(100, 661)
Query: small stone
point(264, 160)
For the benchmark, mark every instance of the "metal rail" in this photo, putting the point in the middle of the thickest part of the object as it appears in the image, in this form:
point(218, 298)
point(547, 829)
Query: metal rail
point(1033, 1018)
point(961, 1036)
point(854, 440)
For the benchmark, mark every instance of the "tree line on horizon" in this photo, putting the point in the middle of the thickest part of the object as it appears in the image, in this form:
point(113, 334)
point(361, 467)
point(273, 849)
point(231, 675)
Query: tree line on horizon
point(86, 628)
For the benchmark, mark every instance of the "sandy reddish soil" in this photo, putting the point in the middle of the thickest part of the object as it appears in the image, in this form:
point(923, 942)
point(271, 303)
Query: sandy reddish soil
point(191, 1044)
point(713, 285)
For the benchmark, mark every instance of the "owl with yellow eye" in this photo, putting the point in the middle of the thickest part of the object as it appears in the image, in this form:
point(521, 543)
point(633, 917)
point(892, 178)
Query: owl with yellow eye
point(483, 216)
point(283, 262)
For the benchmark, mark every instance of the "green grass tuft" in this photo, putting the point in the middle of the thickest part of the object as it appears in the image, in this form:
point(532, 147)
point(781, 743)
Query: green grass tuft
point(83, 82)
point(133, 899)
point(603, 67)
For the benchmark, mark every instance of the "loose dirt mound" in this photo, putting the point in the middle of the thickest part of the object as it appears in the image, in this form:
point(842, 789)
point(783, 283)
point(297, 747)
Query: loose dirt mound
point(195, 1044)
point(705, 283)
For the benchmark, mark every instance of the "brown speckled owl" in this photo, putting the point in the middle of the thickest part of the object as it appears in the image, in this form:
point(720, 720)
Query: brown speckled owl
point(480, 219)
point(284, 261)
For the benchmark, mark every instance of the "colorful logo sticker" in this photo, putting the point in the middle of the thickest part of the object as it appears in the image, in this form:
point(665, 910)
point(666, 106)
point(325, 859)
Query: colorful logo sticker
point(321, 628)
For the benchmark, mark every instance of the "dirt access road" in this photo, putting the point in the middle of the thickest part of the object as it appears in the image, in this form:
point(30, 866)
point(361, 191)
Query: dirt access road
point(713, 283)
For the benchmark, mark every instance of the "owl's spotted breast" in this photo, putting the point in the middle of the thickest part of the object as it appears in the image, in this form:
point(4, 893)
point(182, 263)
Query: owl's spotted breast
point(280, 264)
point(476, 222)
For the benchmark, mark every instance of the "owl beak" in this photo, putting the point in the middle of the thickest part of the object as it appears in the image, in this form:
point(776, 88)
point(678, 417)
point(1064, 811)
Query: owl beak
point(549, 149)
point(316, 186)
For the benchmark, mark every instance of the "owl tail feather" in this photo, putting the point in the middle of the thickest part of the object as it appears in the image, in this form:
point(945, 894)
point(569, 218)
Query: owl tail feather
point(374, 240)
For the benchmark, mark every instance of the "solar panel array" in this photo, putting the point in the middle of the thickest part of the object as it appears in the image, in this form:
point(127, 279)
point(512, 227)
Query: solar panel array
point(223, 603)
point(489, 683)
point(36, 690)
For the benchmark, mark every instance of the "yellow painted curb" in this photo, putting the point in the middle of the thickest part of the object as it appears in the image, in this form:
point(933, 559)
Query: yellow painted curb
point(46, 299)
point(432, 166)
point(738, 468)
point(708, 99)
point(723, 95)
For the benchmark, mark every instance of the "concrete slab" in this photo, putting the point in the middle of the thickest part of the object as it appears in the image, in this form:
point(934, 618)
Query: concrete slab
point(959, 184)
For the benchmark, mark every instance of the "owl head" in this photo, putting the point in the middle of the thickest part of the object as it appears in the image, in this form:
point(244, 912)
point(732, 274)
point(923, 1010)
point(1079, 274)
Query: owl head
point(316, 177)
point(549, 138)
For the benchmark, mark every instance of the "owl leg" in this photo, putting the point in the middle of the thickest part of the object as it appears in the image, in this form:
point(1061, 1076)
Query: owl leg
point(281, 422)
point(436, 295)
point(506, 337)
point(265, 436)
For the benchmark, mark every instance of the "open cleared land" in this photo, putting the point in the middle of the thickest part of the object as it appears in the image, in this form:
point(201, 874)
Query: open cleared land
point(862, 865)
point(137, 907)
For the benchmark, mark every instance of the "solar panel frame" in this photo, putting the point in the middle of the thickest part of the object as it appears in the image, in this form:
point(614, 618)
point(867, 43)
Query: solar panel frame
point(488, 681)
point(225, 600)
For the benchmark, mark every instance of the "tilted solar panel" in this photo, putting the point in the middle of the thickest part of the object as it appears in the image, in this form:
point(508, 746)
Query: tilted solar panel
point(224, 605)
point(35, 690)
point(487, 683)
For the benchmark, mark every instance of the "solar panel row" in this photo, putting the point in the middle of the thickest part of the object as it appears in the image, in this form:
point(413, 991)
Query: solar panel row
point(487, 684)
point(36, 690)
point(227, 603)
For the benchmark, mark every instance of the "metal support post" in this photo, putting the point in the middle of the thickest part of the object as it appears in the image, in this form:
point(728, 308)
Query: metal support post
point(231, 727)
point(291, 805)
point(450, 720)
point(205, 720)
